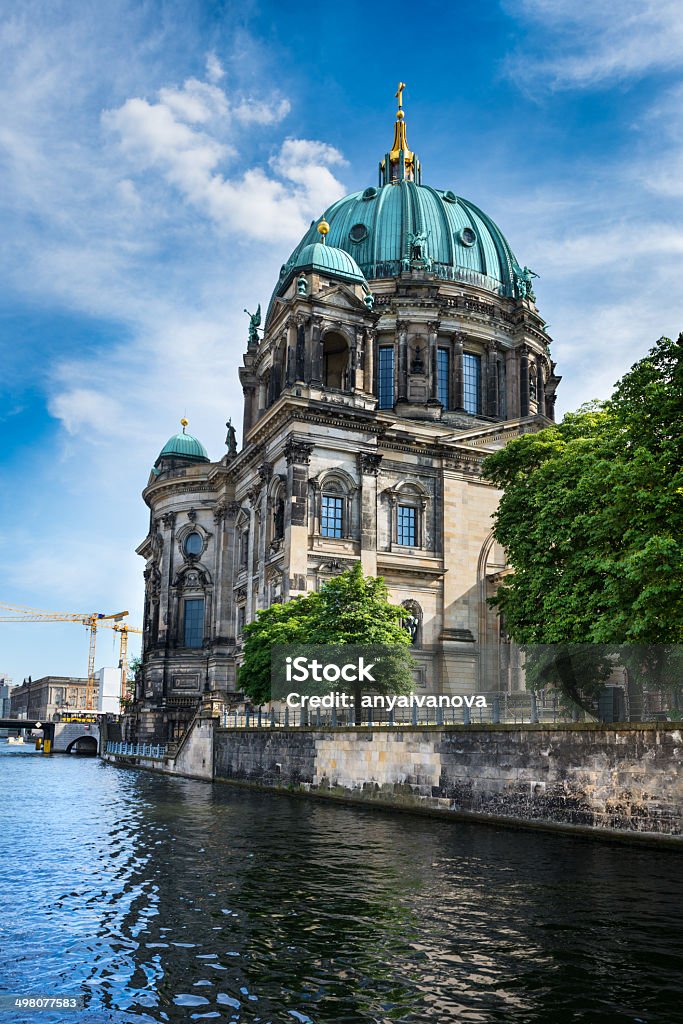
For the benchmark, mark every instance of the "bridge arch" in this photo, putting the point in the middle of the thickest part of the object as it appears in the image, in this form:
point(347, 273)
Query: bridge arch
point(83, 745)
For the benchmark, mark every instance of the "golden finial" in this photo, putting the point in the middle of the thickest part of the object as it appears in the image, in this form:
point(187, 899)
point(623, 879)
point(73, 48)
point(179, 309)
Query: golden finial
point(183, 423)
point(399, 96)
point(323, 228)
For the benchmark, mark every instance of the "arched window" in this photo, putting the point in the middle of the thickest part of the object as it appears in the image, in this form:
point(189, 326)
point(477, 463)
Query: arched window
point(408, 503)
point(335, 361)
point(334, 506)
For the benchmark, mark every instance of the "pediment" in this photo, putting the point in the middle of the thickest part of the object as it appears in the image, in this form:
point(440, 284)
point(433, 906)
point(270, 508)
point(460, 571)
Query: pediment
point(494, 436)
point(340, 297)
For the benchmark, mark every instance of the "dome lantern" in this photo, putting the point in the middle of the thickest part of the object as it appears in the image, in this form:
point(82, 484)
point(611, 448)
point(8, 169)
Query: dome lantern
point(399, 164)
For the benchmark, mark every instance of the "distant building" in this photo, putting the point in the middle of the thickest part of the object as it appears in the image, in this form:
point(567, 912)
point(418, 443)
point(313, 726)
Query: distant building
point(5, 689)
point(109, 690)
point(42, 698)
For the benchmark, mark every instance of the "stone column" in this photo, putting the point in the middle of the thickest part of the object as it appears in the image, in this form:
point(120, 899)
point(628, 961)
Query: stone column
point(512, 383)
point(167, 618)
point(249, 411)
point(369, 361)
point(254, 497)
point(314, 354)
point(265, 471)
point(368, 470)
point(290, 373)
point(402, 331)
point(458, 386)
point(433, 362)
point(300, 357)
point(295, 566)
point(540, 388)
point(358, 355)
point(524, 381)
point(492, 404)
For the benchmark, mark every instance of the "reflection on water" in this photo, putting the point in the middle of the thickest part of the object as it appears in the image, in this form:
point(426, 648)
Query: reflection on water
point(171, 900)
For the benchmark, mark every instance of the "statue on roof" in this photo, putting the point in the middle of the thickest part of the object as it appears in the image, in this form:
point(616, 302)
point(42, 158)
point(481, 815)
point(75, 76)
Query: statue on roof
point(254, 324)
point(231, 439)
point(523, 279)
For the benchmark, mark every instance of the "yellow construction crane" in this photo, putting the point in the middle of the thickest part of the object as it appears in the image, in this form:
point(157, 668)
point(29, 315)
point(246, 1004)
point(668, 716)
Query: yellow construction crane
point(123, 629)
point(90, 620)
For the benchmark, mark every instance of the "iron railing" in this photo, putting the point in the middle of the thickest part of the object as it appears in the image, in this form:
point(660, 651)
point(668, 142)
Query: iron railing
point(154, 750)
point(501, 708)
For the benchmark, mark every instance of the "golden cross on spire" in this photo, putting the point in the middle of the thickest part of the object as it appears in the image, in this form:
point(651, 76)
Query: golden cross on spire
point(399, 94)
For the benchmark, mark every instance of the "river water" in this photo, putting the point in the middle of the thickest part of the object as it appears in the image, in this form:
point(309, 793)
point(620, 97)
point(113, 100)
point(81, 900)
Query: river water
point(163, 899)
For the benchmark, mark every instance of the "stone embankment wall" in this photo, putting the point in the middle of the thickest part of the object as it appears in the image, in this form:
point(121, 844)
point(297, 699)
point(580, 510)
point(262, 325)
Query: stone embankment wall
point(621, 780)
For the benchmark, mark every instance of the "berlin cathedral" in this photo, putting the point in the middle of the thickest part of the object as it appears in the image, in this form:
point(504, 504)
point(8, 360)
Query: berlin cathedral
point(401, 345)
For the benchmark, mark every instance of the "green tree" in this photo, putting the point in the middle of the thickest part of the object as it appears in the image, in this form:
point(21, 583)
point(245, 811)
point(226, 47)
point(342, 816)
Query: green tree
point(349, 610)
point(592, 520)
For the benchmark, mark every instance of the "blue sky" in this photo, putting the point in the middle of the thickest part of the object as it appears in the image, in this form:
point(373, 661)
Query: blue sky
point(160, 160)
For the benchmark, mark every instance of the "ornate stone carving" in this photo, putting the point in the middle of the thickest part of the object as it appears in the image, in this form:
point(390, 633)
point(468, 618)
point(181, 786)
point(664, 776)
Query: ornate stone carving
point(264, 471)
point(298, 452)
point(369, 463)
point(254, 496)
point(232, 509)
point(168, 519)
point(192, 515)
point(219, 514)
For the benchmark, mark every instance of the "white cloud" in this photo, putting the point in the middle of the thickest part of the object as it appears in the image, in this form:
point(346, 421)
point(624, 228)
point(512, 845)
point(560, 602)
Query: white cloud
point(592, 42)
point(164, 136)
point(214, 69)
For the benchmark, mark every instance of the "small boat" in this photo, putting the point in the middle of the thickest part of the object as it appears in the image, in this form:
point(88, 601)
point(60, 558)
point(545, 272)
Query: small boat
point(16, 741)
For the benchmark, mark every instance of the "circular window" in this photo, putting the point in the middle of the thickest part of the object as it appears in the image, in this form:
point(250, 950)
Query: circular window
point(370, 193)
point(358, 232)
point(467, 236)
point(193, 544)
point(450, 197)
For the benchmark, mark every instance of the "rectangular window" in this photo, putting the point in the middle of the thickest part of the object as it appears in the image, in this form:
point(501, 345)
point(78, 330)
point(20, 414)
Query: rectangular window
point(331, 521)
point(406, 522)
point(193, 635)
point(241, 619)
point(443, 369)
point(386, 377)
point(471, 379)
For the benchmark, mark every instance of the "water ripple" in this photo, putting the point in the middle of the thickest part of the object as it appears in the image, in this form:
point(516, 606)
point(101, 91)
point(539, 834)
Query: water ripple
point(164, 899)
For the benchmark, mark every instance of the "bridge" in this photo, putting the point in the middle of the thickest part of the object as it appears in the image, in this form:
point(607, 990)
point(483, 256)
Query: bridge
point(73, 734)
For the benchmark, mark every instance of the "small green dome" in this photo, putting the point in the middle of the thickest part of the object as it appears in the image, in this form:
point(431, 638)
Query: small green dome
point(183, 446)
point(324, 259)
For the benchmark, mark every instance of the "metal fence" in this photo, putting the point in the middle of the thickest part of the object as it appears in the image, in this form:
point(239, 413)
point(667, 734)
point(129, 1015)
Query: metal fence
point(136, 749)
point(504, 708)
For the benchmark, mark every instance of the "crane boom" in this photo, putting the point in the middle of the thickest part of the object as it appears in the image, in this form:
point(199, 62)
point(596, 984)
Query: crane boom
point(90, 620)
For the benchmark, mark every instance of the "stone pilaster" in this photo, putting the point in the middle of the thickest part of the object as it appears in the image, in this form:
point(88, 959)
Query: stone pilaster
point(298, 457)
point(402, 331)
point(433, 362)
point(369, 362)
point(458, 386)
point(368, 471)
point(314, 352)
point(491, 406)
point(524, 381)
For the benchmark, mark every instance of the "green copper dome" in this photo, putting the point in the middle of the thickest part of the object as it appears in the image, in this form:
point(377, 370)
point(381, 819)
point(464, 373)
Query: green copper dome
point(403, 225)
point(325, 259)
point(184, 446)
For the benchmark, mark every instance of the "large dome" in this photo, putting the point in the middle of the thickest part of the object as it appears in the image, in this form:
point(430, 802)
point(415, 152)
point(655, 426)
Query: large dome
point(380, 227)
